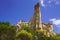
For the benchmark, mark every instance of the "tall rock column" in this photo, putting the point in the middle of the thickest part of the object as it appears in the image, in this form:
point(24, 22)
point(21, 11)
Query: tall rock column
point(37, 16)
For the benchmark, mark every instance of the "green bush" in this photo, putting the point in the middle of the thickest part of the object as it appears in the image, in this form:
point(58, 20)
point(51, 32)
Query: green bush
point(57, 37)
point(7, 31)
point(40, 34)
point(24, 35)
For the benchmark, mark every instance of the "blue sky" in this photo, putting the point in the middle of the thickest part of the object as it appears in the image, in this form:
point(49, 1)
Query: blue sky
point(16, 10)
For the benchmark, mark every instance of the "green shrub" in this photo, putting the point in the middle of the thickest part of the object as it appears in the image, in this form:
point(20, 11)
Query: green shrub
point(24, 35)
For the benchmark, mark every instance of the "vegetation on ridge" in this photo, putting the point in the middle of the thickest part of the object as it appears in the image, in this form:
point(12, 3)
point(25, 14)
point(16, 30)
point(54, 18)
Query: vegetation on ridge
point(8, 32)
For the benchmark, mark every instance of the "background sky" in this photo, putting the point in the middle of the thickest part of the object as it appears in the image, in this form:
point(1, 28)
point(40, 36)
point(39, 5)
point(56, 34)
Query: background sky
point(16, 10)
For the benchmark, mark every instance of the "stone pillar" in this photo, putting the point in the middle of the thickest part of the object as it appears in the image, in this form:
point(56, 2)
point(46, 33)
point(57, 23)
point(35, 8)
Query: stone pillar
point(37, 16)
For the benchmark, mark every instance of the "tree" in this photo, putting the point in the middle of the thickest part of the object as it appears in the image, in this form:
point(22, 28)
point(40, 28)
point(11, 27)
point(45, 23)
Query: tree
point(57, 36)
point(7, 31)
point(28, 29)
point(40, 34)
point(24, 35)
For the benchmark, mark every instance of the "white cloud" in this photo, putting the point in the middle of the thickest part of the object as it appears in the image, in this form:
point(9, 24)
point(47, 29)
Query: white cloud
point(51, 3)
point(46, 3)
point(56, 2)
point(55, 22)
point(42, 3)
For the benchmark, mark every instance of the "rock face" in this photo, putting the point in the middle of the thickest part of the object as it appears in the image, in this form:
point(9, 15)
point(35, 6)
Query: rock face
point(35, 22)
point(37, 16)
